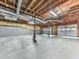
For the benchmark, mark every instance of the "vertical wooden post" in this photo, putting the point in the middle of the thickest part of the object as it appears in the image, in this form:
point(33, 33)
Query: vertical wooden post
point(54, 29)
point(77, 28)
point(49, 29)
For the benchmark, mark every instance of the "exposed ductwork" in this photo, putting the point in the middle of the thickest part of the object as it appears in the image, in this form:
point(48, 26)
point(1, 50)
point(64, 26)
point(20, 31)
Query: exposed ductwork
point(12, 16)
point(18, 8)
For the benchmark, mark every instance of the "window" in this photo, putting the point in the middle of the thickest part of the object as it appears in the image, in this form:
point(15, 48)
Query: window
point(67, 29)
point(59, 29)
point(73, 29)
point(63, 29)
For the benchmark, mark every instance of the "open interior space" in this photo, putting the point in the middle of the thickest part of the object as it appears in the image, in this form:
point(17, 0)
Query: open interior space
point(39, 29)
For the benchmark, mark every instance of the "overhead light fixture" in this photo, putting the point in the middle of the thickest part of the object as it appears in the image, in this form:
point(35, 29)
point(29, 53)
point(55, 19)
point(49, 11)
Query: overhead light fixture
point(53, 13)
point(31, 22)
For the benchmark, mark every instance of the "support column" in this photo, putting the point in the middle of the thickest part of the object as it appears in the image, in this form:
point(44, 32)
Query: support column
point(34, 34)
point(41, 30)
point(55, 30)
point(77, 28)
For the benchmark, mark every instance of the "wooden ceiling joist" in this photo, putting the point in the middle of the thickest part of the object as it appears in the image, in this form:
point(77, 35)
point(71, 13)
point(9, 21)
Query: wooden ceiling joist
point(28, 7)
point(43, 7)
point(5, 1)
point(6, 5)
point(52, 6)
point(36, 8)
point(37, 5)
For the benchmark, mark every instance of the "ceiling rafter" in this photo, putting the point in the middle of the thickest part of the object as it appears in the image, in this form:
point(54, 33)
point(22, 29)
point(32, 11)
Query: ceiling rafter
point(31, 14)
point(38, 5)
point(31, 3)
point(57, 4)
point(44, 6)
point(42, 2)
point(7, 5)
point(28, 8)
point(49, 8)
point(5, 2)
point(39, 8)
point(35, 4)
point(14, 3)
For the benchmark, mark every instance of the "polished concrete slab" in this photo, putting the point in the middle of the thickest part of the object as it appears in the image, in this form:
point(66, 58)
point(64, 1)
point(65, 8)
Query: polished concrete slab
point(22, 47)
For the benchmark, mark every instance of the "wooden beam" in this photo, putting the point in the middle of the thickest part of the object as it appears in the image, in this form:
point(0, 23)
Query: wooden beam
point(49, 8)
point(9, 6)
point(5, 2)
point(14, 3)
point(43, 6)
point(31, 14)
point(31, 3)
point(38, 5)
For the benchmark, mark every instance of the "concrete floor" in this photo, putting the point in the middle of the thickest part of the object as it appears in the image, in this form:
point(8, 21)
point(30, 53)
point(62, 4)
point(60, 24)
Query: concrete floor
point(46, 48)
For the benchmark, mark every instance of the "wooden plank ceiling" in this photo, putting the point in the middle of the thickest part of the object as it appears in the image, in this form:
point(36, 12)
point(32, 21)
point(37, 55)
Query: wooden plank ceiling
point(72, 16)
point(36, 8)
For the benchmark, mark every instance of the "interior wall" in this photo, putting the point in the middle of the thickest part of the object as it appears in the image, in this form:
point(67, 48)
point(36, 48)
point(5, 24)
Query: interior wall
point(67, 30)
point(13, 31)
point(47, 31)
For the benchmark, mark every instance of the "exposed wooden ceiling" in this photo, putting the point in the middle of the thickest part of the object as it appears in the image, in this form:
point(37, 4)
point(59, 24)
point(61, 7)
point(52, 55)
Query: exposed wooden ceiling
point(65, 10)
point(38, 7)
point(71, 18)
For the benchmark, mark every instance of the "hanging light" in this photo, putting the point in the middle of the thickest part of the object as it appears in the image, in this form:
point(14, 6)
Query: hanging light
point(53, 13)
